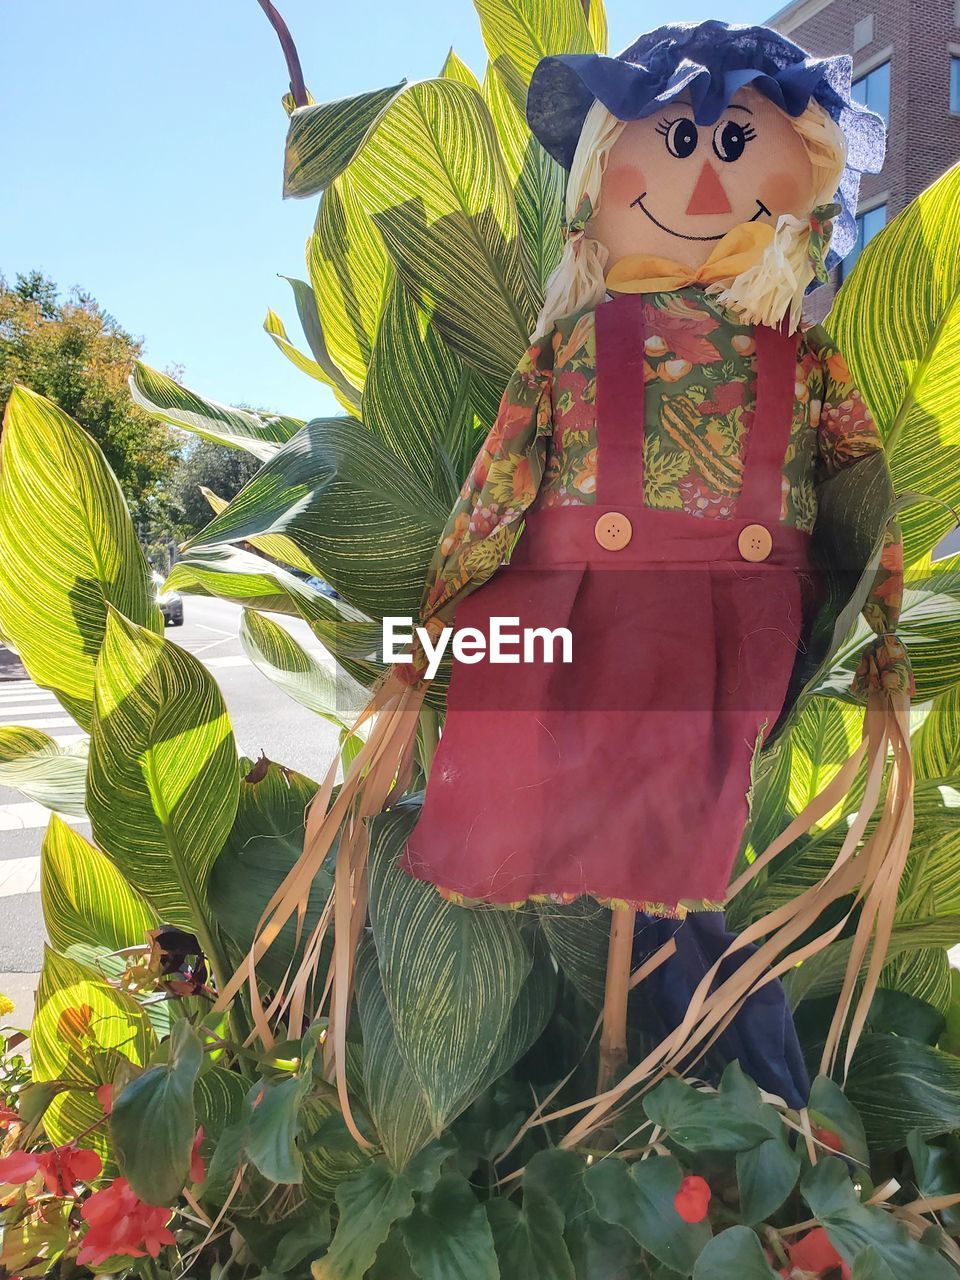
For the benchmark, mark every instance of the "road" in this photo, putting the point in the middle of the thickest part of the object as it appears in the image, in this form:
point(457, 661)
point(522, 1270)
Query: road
point(264, 720)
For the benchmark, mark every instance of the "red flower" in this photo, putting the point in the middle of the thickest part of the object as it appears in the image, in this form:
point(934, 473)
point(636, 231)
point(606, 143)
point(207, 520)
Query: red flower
point(693, 1199)
point(814, 1256)
point(61, 1169)
point(105, 1098)
point(198, 1170)
point(121, 1223)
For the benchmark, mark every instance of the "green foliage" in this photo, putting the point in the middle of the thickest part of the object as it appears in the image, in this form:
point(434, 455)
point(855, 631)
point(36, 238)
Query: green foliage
point(77, 355)
point(437, 227)
point(205, 464)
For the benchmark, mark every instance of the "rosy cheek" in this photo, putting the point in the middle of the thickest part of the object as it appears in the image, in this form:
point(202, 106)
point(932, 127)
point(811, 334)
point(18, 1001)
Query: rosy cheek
point(621, 186)
point(780, 192)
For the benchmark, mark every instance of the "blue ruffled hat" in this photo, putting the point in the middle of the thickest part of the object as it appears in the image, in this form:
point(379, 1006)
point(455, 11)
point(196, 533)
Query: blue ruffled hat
point(709, 61)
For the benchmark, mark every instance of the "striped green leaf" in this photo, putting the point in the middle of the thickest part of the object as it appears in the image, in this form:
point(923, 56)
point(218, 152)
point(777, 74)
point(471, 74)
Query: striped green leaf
point(597, 23)
point(67, 550)
point(899, 1085)
point(826, 735)
point(432, 178)
point(454, 68)
point(578, 935)
point(85, 899)
point(229, 573)
point(350, 273)
point(264, 843)
point(396, 1102)
point(326, 690)
point(52, 775)
point(87, 1033)
point(306, 303)
point(416, 399)
point(538, 184)
point(936, 744)
point(518, 33)
point(358, 517)
point(322, 138)
point(897, 321)
point(163, 782)
point(451, 975)
point(167, 401)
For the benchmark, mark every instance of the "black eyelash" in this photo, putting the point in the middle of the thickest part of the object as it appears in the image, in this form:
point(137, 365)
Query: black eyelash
point(749, 133)
point(663, 126)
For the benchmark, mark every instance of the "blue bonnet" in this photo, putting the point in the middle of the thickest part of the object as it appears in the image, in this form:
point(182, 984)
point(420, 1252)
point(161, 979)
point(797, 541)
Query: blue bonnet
point(709, 62)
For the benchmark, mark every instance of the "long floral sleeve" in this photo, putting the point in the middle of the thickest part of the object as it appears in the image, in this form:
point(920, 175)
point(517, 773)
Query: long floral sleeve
point(847, 435)
point(503, 482)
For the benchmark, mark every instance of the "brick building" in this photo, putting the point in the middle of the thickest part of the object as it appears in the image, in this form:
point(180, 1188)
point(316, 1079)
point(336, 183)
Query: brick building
point(906, 66)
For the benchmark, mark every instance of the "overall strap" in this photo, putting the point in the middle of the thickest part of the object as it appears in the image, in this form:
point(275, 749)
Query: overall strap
point(760, 498)
point(620, 400)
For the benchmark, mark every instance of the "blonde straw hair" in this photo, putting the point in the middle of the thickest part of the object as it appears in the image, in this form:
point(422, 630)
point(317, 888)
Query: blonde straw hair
point(767, 293)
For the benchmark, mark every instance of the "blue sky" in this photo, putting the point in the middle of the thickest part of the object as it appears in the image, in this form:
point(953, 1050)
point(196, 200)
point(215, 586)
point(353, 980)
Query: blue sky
point(143, 147)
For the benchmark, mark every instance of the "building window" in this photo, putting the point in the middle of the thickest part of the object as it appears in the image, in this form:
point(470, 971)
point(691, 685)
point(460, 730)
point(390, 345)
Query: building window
point(868, 224)
point(873, 90)
point(955, 85)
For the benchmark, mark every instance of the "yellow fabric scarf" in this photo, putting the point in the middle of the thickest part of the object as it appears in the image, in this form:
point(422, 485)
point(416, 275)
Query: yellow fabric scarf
point(735, 252)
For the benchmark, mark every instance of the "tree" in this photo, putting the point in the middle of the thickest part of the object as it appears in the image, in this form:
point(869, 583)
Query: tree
point(213, 466)
point(78, 355)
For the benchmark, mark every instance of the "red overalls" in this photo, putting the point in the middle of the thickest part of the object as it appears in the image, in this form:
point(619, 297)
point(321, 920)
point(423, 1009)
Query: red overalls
point(624, 775)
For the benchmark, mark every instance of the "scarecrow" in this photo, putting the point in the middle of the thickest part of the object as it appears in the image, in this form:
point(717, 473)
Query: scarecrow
point(658, 482)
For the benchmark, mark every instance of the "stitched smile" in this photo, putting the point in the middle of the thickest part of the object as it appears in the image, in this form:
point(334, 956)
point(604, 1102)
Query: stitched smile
point(761, 209)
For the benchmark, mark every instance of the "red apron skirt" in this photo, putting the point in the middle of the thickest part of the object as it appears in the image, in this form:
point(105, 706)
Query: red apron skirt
point(624, 773)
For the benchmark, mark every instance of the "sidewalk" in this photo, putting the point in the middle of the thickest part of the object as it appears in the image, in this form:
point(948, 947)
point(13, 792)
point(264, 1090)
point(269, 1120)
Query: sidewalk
point(11, 668)
point(20, 988)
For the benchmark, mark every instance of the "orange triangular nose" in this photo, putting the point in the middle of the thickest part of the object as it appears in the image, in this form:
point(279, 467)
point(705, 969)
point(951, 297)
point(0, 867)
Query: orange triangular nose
point(708, 195)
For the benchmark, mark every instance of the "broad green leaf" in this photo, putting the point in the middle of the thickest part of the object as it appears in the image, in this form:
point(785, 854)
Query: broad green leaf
point(163, 782)
point(85, 898)
point(264, 843)
point(270, 1142)
point(330, 1153)
point(350, 274)
point(361, 520)
point(431, 177)
point(68, 549)
point(529, 1239)
point(166, 400)
point(898, 1085)
point(853, 1226)
point(640, 1200)
point(153, 1120)
point(395, 1100)
point(306, 364)
point(869, 1265)
point(578, 934)
point(448, 1234)
point(936, 744)
point(454, 68)
point(369, 1205)
point(825, 736)
point(451, 975)
point(766, 1175)
point(936, 1171)
point(897, 321)
point(219, 1099)
point(84, 1032)
point(230, 573)
point(823, 974)
point(327, 690)
point(702, 1121)
point(830, 1109)
point(518, 33)
point(51, 775)
point(416, 399)
point(33, 1243)
point(322, 138)
point(306, 303)
point(734, 1252)
point(597, 23)
point(530, 1014)
point(538, 184)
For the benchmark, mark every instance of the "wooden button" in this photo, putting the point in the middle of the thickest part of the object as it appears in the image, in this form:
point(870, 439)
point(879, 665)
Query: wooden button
point(755, 543)
point(613, 531)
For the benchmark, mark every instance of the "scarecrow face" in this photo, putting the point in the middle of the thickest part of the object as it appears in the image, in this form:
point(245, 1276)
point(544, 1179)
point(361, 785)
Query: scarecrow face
point(674, 188)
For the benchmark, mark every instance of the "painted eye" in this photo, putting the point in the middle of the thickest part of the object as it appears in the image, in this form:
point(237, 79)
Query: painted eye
point(681, 137)
point(730, 140)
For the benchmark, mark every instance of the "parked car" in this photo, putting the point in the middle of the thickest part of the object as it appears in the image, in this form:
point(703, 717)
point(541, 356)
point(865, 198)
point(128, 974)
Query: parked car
point(170, 602)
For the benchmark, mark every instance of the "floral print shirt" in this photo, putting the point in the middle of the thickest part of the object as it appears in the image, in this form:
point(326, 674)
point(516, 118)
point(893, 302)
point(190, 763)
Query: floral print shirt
point(700, 402)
